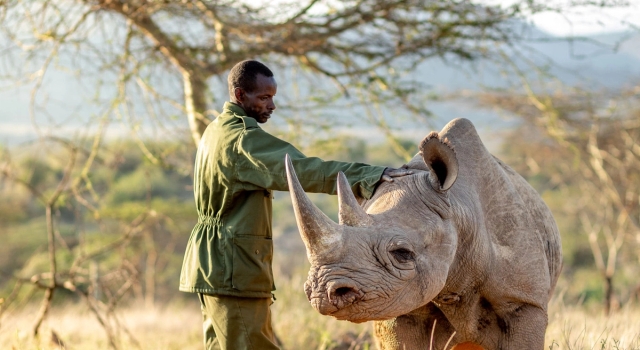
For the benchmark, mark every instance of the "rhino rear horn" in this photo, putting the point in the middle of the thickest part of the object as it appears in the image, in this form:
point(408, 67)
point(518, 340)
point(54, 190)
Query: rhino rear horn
point(441, 160)
point(350, 212)
point(320, 234)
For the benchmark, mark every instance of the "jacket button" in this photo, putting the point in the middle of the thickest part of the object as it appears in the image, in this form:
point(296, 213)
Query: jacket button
point(257, 251)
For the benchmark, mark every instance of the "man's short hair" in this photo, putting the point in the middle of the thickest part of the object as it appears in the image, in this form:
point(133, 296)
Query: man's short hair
point(243, 75)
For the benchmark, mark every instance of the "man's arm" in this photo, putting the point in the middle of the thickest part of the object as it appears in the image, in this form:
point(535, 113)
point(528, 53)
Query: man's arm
point(262, 164)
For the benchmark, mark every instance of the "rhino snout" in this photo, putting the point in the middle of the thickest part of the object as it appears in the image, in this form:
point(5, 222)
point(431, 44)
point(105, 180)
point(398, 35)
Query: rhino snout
point(343, 293)
point(332, 296)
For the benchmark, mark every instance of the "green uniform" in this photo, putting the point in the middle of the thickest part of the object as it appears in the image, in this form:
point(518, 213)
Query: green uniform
point(238, 165)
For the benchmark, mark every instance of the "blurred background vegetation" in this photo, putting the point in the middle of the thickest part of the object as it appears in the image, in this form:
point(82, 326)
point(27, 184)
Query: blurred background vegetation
point(102, 104)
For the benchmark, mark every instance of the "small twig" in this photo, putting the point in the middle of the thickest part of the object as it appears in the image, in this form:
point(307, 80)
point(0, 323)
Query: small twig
point(50, 204)
point(9, 299)
point(433, 331)
point(101, 320)
point(133, 229)
point(449, 341)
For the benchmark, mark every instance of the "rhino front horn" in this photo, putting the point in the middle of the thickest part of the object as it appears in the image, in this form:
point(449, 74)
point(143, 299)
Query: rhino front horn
point(350, 212)
point(322, 237)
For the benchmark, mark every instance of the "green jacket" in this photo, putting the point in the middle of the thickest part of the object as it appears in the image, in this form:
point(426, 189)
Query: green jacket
point(237, 167)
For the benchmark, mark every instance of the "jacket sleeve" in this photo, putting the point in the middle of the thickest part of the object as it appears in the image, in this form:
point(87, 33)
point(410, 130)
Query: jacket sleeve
point(261, 163)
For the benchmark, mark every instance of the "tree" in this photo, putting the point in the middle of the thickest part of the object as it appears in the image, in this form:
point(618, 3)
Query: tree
point(107, 240)
point(354, 43)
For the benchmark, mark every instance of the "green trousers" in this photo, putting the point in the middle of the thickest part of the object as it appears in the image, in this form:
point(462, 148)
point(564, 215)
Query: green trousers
point(233, 323)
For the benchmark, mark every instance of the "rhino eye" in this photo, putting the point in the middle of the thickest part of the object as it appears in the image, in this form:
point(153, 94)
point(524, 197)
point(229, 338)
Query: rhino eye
point(402, 255)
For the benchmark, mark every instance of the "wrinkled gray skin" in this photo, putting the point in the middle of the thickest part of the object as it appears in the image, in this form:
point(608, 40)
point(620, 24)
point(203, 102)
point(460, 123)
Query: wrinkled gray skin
point(464, 242)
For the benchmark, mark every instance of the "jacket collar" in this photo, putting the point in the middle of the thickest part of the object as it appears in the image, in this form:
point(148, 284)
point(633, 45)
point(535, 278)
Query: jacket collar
point(235, 109)
point(240, 113)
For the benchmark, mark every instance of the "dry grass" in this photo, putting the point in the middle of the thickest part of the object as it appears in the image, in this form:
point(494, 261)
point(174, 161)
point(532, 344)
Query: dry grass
point(169, 328)
point(296, 323)
point(580, 328)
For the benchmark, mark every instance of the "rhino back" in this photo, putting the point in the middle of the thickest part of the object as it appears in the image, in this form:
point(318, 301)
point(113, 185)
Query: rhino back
point(505, 228)
point(522, 232)
point(543, 221)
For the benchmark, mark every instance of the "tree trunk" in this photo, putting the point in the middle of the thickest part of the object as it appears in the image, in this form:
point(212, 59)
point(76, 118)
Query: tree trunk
point(608, 295)
point(48, 295)
point(193, 71)
point(195, 103)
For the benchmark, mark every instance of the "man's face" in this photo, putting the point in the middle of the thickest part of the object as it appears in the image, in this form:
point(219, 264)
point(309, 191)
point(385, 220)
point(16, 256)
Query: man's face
point(259, 103)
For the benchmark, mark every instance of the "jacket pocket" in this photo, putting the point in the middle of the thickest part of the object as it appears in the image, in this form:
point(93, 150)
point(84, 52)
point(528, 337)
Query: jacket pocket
point(252, 257)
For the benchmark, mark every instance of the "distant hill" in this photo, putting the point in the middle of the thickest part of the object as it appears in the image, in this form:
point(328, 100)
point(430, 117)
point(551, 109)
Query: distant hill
point(600, 61)
point(625, 43)
point(632, 46)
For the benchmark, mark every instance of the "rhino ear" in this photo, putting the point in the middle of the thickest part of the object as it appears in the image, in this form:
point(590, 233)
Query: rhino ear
point(441, 160)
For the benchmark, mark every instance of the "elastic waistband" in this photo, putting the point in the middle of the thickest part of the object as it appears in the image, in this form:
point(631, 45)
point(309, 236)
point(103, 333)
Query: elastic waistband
point(208, 220)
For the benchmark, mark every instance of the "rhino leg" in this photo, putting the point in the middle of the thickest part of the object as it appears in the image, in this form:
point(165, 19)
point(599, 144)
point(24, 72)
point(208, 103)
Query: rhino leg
point(413, 330)
point(521, 328)
point(518, 329)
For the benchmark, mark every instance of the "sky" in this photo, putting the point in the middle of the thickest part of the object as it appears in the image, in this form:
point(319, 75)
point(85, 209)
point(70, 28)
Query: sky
point(577, 21)
point(574, 21)
point(588, 22)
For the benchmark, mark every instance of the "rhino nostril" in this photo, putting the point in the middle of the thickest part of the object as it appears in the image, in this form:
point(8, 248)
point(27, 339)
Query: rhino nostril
point(342, 291)
point(341, 295)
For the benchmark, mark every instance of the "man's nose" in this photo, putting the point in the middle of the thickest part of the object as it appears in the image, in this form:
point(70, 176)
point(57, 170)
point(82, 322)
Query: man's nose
point(271, 105)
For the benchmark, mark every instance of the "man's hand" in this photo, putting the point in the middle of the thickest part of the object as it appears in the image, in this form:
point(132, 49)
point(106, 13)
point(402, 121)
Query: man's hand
point(390, 173)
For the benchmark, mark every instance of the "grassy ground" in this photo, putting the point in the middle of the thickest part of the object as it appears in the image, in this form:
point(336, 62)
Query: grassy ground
point(296, 323)
point(579, 328)
point(169, 328)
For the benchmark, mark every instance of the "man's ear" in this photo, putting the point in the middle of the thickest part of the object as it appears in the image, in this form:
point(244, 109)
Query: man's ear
point(239, 94)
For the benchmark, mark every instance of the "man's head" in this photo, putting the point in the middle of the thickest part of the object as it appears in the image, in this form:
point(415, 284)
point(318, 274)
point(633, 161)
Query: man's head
point(252, 87)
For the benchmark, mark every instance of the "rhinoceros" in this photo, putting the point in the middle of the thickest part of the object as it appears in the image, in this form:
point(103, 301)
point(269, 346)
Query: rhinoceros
point(463, 251)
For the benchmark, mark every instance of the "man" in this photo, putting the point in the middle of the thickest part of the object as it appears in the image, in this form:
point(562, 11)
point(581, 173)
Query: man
point(229, 254)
